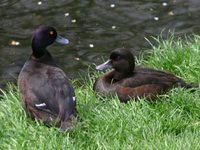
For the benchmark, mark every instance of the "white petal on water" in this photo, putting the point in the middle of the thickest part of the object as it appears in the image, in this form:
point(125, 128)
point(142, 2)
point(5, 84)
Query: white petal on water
point(15, 43)
point(40, 3)
point(73, 20)
point(113, 27)
point(66, 14)
point(77, 58)
point(91, 45)
point(112, 5)
point(156, 18)
point(164, 4)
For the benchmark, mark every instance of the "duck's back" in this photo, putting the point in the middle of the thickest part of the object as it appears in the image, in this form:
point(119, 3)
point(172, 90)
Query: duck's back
point(47, 93)
point(144, 82)
point(143, 76)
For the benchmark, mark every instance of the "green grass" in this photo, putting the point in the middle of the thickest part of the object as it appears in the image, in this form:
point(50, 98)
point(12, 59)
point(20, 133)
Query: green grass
point(172, 122)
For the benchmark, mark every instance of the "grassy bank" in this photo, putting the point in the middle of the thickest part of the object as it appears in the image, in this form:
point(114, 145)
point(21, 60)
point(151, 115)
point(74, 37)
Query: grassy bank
point(173, 122)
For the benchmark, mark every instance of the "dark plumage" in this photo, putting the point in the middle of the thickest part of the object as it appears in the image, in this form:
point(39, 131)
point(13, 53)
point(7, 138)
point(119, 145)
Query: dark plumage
point(46, 92)
point(130, 82)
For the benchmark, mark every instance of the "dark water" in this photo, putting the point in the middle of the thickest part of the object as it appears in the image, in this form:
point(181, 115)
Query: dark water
point(93, 27)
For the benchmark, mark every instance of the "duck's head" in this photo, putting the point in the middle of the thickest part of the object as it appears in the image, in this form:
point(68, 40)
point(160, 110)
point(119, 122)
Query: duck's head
point(122, 61)
point(44, 36)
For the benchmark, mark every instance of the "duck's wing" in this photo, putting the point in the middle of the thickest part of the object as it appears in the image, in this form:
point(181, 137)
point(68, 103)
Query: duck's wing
point(146, 76)
point(49, 96)
point(147, 83)
point(149, 91)
point(166, 78)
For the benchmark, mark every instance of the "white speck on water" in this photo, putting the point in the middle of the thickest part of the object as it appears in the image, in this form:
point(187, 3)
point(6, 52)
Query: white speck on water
point(73, 20)
point(164, 4)
point(15, 43)
point(66, 14)
point(112, 5)
point(91, 45)
point(114, 27)
point(156, 18)
point(40, 3)
point(171, 13)
point(77, 58)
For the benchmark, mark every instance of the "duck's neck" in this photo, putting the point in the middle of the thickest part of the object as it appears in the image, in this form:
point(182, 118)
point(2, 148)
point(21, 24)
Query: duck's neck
point(38, 49)
point(46, 58)
point(40, 54)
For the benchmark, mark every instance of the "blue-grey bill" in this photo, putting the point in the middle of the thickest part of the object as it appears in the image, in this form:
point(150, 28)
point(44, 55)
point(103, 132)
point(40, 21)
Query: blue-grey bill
point(62, 40)
point(105, 65)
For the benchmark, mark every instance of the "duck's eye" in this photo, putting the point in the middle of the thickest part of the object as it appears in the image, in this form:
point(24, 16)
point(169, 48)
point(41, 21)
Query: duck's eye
point(51, 33)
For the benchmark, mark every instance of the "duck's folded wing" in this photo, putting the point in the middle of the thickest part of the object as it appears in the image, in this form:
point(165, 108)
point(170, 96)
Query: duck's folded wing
point(148, 91)
point(55, 95)
point(150, 76)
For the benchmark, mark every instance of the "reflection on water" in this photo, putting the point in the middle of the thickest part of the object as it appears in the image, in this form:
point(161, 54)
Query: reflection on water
point(93, 27)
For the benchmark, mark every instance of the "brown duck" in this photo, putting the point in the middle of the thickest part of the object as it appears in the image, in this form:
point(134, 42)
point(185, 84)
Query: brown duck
point(46, 92)
point(130, 82)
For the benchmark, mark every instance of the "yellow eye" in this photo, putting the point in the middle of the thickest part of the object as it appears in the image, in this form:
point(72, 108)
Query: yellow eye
point(51, 32)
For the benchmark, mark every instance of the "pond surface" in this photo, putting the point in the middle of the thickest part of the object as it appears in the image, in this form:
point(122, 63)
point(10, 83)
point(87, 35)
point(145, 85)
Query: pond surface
point(93, 27)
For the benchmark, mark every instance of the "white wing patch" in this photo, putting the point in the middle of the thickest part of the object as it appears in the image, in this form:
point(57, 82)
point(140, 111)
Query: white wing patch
point(40, 105)
point(74, 98)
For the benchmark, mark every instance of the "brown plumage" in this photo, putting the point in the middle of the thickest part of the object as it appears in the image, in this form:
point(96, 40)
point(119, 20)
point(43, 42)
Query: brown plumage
point(128, 81)
point(46, 92)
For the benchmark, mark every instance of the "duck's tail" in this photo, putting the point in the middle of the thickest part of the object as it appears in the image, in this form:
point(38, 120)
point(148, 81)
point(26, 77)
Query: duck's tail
point(192, 86)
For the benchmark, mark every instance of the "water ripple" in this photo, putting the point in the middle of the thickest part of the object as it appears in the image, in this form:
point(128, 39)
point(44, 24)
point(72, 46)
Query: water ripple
point(8, 3)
